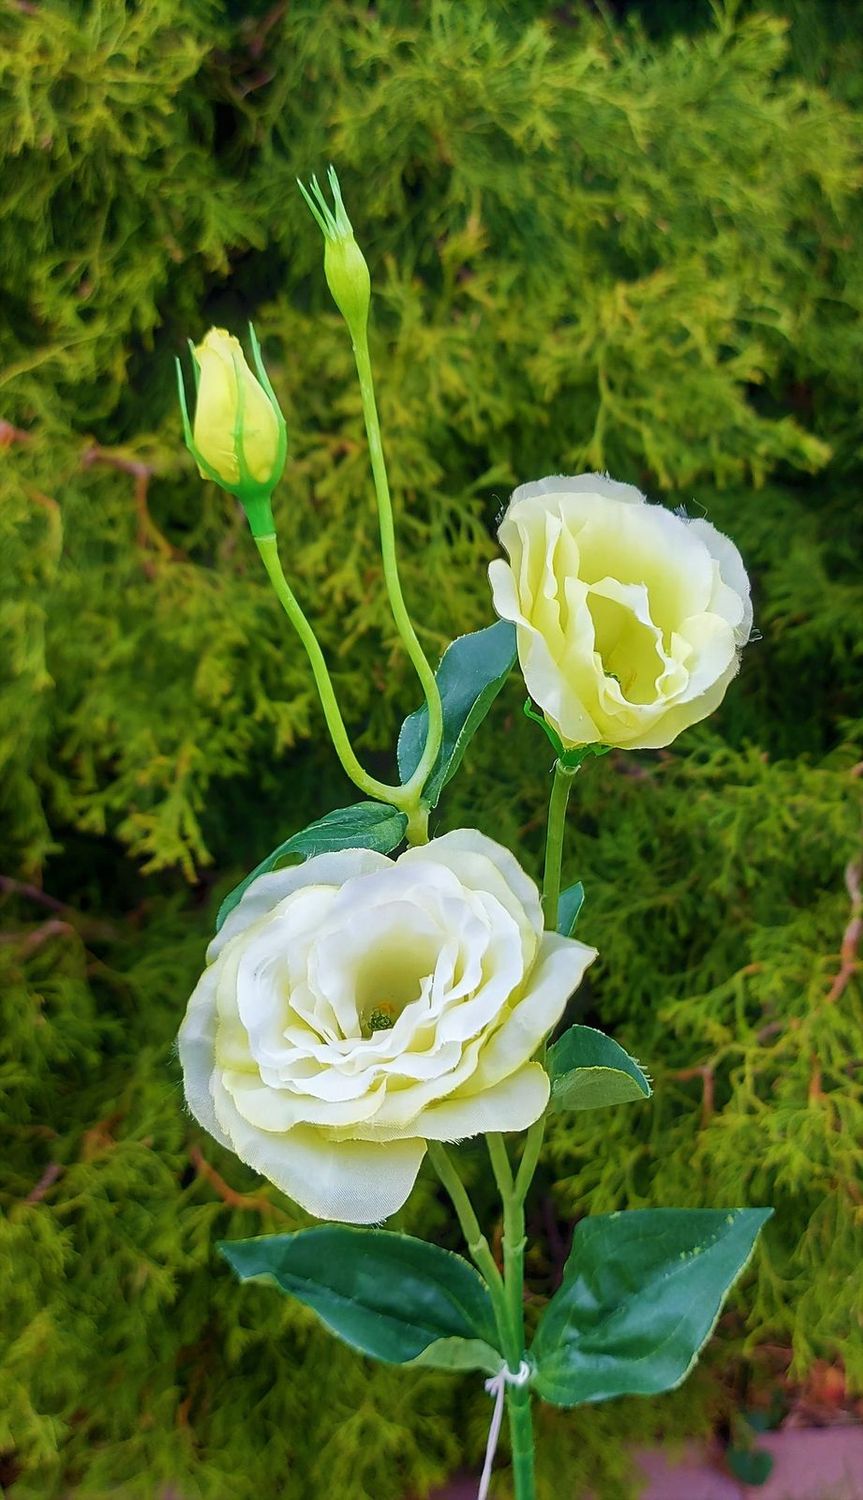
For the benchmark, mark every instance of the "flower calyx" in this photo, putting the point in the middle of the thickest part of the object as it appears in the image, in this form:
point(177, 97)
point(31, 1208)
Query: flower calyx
point(344, 263)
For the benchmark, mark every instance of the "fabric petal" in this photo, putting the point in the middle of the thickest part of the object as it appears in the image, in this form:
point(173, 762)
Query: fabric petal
point(557, 974)
point(259, 899)
point(354, 1182)
point(196, 1046)
point(512, 1104)
point(733, 575)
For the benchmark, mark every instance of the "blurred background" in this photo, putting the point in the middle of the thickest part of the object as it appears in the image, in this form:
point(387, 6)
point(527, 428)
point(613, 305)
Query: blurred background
point(614, 236)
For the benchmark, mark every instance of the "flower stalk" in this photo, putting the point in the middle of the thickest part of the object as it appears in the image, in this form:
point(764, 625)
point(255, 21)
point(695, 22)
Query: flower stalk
point(348, 279)
point(560, 790)
point(406, 797)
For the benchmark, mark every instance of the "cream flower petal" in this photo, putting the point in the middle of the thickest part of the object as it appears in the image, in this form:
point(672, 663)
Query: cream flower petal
point(558, 973)
point(265, 893)
point(733, 574)
point(458, 850)
point(579, 484)
point(513, 1104)
point(196, 1045)
point(355, 1182)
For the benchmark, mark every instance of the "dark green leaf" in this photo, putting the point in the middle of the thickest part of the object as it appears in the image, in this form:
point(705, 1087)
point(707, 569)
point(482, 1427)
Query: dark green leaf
point(590, 1071)
point(366, 825)
point(568, 907)
point(471, 674)
point(389, 1295)
point(460, 1354)
point(749, 1465)
point(641, 1294)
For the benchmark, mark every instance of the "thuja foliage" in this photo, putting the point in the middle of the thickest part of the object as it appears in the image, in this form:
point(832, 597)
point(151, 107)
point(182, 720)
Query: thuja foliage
point(595, 247)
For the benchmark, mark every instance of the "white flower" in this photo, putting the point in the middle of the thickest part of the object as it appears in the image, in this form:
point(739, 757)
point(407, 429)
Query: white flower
point(355, 1007)
point(629, 618)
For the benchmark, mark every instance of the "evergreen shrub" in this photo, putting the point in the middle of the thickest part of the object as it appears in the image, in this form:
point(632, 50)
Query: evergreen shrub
point(592, 246)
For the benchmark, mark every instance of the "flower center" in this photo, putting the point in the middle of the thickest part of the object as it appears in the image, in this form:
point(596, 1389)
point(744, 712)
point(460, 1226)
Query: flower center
point(627, 648)
point(382, 1018)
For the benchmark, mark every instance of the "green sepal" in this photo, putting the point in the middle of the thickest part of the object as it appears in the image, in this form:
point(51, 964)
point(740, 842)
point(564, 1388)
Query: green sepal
point(569, 759)
point(589, 1070)
point(641, 1294)
point(365, 825)
point(472, 671)
point(389, 1295)
point(569, 907)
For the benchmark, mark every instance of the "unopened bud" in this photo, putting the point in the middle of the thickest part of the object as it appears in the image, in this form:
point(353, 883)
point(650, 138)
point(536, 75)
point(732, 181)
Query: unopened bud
point(344, 263)
point(238, 438)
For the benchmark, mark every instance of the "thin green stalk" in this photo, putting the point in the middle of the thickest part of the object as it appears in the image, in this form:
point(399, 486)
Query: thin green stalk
point(391, 572)
point(506, 1292)
point(560, 791)
point(518, 1397)
point(477, 1244)
point(513, 1243)
point(404, 797)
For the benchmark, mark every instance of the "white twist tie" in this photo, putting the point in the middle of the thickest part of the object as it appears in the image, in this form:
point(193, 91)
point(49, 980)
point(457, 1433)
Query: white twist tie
point(496, 1387)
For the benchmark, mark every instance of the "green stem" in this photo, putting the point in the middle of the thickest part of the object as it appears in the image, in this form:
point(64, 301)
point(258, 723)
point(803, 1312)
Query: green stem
point(560, 791)
point(530, 1157)
point(391, 572)
point(513, 1194)
point(521, 1441)
point(477, 1244)
point(404, 797)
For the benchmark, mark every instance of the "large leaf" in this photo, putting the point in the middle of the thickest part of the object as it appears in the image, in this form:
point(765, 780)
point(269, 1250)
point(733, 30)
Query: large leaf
point(386, 1294)
point(569, 905)
point(590, 1071)
point(641, 1295)
point(471, 674)
point(366, 825)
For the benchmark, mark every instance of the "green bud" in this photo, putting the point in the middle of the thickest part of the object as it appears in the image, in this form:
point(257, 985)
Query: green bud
point(344, 263)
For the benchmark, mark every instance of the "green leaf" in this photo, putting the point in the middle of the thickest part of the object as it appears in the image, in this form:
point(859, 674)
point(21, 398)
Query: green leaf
point(366, 825)
point(590, 1071)
point(460, 1354)
point(568, 907)
point(472, 671)
point(388, 1295)
point(641, 1294)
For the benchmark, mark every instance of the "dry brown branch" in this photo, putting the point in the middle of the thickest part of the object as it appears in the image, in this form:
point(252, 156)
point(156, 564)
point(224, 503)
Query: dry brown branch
point(849, 964)
point(10, 434)
point(45, 1183)
point(705, 1073)
point(92, 927)
point(228, 1194)
point(149, 534)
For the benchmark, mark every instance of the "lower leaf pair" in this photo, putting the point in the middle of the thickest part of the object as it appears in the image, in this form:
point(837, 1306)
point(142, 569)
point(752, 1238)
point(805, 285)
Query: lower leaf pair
point(641, 1294)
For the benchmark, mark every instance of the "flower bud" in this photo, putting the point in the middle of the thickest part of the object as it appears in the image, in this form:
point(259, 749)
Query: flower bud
point(344, 263)
point(238, 437)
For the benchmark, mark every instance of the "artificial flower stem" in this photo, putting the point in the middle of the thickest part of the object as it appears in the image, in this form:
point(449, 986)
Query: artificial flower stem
point(530, 1158)
point(398, 796)
point(560, 790)
point(477, 1244)
point(518, 1397)
point(510, 1326)
point(521, 1441)
point(391, 572)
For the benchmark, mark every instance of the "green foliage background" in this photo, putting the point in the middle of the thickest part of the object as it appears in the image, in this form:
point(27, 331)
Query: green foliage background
point(596, 241)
